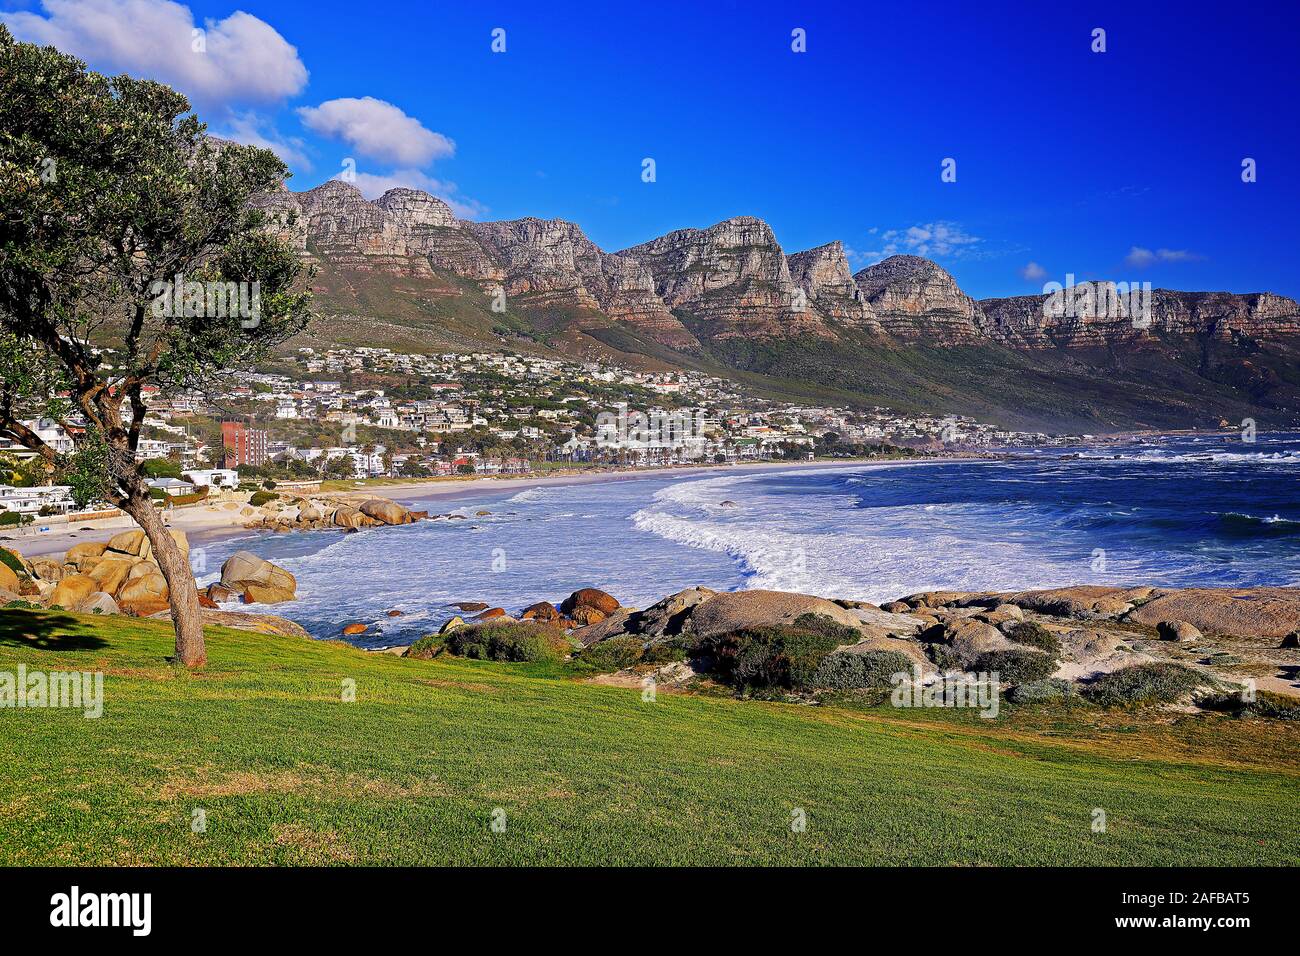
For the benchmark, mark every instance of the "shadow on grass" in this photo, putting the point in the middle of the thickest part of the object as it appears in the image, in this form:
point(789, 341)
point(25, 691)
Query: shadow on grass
point(47, 632)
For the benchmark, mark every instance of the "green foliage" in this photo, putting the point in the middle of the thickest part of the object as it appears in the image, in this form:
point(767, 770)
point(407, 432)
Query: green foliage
point(1042, 691)
point(10, 519)
point(849, 671)
point(664, 653)
point(259, 498)
point(944, 657)
point(110, 189)
point(427, 647)
point(1015, 666)
point(1158, 683)
point(1032, 634)
point(828, 627)
point(13, 562)
point(160, 468)
point(508, 641)
point(1265, 706)
point(615, 654)
point(86, 470)
point(773, 657)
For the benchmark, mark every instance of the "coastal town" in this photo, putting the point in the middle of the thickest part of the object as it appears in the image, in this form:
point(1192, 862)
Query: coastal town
point(365, 413)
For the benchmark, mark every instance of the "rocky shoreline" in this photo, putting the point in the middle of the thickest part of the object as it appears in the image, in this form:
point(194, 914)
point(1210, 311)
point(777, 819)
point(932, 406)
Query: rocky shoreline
point(1058, 642)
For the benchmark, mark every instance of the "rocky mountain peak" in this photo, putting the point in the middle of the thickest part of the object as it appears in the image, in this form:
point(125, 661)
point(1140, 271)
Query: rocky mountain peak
point(823, 272)
point(916, 299)
point(414, 208)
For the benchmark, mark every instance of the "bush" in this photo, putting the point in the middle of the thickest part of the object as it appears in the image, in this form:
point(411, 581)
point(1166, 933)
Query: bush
point(828, 627)
point(779, 656)
point(1160, 683)
point(1016, 666)
point(1042, 691)
point(508, 641)
point(849, 671)
point(427, 647)
point(10, 518)
point(615, 654)
point(663, 653)
point(260, 498)
point(14, 563)
point(1033, 635)
point(1265, 705)
point(944, 657)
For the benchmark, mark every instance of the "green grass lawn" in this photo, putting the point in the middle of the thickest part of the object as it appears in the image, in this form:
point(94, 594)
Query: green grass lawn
point(413, 770)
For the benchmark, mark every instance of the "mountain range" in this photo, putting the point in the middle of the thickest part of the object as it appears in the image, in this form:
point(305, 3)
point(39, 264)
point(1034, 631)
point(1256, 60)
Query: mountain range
point(403, 271)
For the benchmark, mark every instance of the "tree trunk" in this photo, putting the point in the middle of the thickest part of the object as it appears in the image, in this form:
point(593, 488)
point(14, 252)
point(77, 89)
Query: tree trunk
point(187, 615)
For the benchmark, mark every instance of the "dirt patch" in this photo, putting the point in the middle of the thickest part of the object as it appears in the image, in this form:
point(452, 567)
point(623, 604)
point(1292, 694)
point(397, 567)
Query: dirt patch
point(314, 846)
point(312, 780)
point(234, 784)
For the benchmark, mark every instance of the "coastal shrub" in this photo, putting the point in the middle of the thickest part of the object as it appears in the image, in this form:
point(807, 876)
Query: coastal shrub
point(1032, 634)
point(828, 627)
point(1042, 691)
point(14, 563)
point(841, 671)
point(778, 656)
point(260, 498)
point(1159, 683)
point(427, 647)
point(1265, 705)
point(664, 653)
point(944, 657)
point(615, 654)
point(1015, 666)
point(508, 641)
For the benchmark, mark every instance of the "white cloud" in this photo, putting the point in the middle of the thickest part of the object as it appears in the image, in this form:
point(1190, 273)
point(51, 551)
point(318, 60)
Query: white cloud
point(240, 59)
point(1033, 272)
point(1140, 258)
point(377, 129)
point(253, 130)
point(374, 185)
point(925, 239)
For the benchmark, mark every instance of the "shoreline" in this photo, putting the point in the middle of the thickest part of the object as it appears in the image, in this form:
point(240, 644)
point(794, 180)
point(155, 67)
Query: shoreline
point(456, 487)
point(208, 524)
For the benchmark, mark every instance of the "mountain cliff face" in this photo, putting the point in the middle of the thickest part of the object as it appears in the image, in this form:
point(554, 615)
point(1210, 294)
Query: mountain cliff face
point(729, 295)
point(734, 280)
point(732, 277)
point(823, 273)
point(917, 301)
point(1092, 315)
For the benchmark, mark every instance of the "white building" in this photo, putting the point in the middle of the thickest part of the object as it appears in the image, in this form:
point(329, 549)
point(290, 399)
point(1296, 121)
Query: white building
point(214, 477)
point(32, 500)
point(171, 486)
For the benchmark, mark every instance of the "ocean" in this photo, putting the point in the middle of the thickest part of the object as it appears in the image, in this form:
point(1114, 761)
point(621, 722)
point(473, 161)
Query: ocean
point(1177, 511)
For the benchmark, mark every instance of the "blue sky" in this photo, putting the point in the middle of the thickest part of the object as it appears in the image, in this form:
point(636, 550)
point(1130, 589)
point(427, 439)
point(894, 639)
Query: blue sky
point(1124, 164)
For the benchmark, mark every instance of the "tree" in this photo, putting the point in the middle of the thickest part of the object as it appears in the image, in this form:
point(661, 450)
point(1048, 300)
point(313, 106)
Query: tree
point(121, 222)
